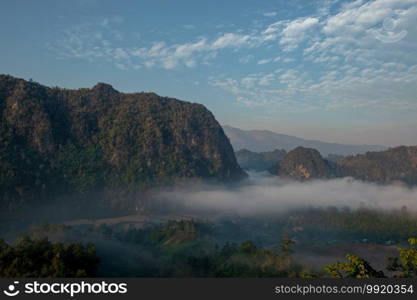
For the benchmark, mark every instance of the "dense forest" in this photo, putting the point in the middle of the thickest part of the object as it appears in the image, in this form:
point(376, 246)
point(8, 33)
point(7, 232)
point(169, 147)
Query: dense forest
point(42, 258)
point(98, 148)
point(177, 249)
point(394, 165)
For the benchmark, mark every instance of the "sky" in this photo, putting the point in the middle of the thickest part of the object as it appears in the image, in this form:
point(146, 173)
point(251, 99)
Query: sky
point(334, 70)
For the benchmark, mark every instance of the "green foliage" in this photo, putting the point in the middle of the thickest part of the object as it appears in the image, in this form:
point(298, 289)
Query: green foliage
point(305, 163)
point(41, 258)
point(403, 266)
point(174, 233)
point(22, 170)
point(406, 264)
point(394, 164)
point(412, 241)
point(185, 249)
point(355, 267)
point(286, 244)
point(59, 143)
point(352, 225)
point(81, 168)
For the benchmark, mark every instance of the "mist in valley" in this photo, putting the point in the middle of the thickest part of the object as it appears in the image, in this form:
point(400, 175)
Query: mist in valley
point(270, 195)
point(325, 218)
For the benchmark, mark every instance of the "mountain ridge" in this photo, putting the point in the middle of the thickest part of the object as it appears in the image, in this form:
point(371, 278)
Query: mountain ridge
point(397, 164)
point(98, 141)
point(265, 140)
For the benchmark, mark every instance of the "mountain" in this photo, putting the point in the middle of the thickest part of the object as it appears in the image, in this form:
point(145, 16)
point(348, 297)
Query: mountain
point(383, 167)
point(394, 164)
point(264, 140)
point(305, 163)
point(261, 161)
point(77, 145)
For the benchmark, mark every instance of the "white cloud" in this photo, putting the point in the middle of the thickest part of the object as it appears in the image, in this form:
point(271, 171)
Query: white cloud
point(119, 53)
point(169, 63)
point(391, 88)
point(246, 59)
point(190, 63)
point(121, 66)
point(274, 195)
point(263, 61)
point(189, 26)
point(186, 50)
point(230, 40)
point(340, 63)
point(359, 16)
point(288, 60)
point(249, 81)
point(270, 14)
point(267, 79)
point(109, 21)
point(96, 40)
point(170, 56)
point(345, 39)
point(295, 32)
point(149, 63)
point(289, 32)
point(158, 49)
point(298, 27)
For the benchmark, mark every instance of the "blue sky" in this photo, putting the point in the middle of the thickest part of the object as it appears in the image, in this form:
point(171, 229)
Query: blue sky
point(343, 71)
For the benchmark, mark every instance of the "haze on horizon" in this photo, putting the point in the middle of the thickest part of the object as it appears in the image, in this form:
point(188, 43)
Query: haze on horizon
point(333, 70)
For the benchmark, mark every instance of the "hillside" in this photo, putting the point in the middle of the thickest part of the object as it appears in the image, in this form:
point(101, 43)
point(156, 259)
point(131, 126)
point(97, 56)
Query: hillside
point(78, 145)
point(383, 167)
point(395, 164)
point(305, 163)
point(264, 140)
point(261, 161)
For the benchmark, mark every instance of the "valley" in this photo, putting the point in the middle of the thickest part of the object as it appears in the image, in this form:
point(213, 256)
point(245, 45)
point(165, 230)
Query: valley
point(150, 186)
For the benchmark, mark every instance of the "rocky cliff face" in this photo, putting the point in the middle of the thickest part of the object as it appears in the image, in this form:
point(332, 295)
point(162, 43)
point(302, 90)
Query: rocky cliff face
point(56, 142)
point(303, 164)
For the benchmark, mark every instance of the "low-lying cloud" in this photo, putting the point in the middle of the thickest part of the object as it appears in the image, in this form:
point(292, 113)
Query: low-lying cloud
point(271, 195)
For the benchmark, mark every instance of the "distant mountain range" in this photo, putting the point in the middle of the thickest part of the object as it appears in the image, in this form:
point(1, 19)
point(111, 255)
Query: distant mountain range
point(264, 140)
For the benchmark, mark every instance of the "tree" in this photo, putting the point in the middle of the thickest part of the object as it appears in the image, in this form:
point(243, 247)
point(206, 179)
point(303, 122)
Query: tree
point(406, 263)
point(286, 245)
point(42, 258)
point(355, 267)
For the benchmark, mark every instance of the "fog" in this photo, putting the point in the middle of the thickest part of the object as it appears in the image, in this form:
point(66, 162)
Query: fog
point(272, 195)
point(258, 209)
